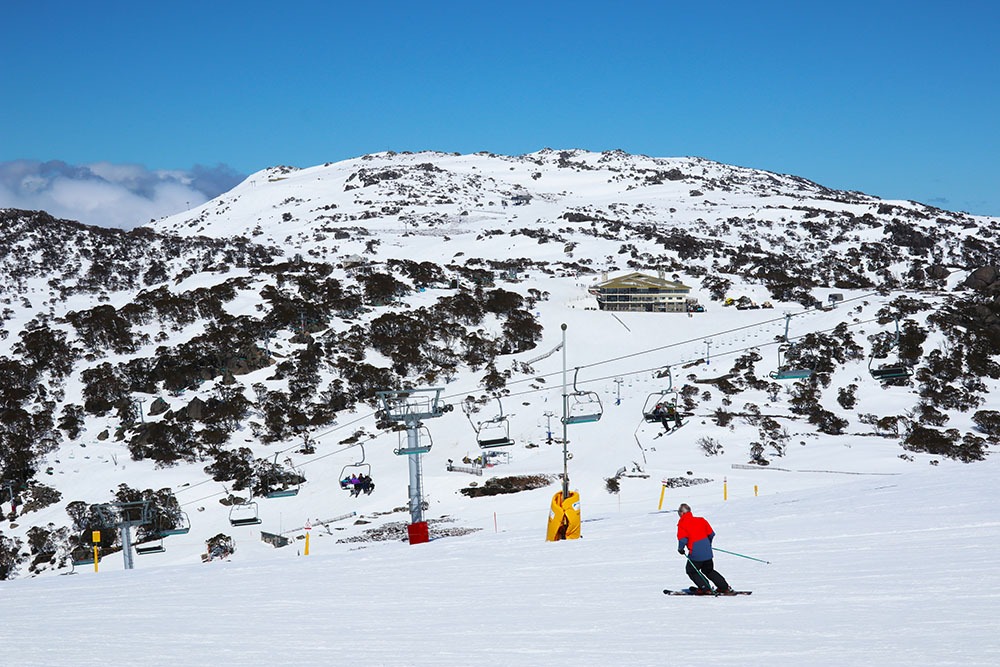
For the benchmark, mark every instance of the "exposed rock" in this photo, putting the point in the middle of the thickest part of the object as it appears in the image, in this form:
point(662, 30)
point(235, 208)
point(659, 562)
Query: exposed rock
point(983, 278)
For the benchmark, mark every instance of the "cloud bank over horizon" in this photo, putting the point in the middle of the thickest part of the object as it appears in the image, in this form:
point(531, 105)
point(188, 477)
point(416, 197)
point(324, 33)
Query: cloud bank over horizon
point(110, 195)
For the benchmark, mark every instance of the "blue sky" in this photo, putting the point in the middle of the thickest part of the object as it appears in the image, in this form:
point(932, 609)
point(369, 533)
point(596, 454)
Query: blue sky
point(896, 99)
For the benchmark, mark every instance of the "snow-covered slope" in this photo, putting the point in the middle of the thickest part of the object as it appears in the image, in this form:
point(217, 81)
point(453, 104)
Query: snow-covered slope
point(888, 570)
point(268, 294)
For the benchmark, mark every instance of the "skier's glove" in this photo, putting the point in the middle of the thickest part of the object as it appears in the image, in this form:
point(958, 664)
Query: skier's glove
point(680, 551)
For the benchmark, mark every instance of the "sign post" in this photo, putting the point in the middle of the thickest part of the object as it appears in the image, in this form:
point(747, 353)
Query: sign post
point(308, 527)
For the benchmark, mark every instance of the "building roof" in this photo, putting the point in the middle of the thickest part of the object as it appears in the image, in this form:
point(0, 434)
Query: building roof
point(640, 281)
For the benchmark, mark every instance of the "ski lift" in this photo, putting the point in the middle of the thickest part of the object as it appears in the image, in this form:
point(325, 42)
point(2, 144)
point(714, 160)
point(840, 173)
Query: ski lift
point(421, 446)
point(83, 552)
point(784, 371)
point(895, 371)
point(660, 407)
point(81, 556)
point(181, 527)
point(244, 514)
point(360, 468)
point(666, 396)
point(494, 432)
point(583, 407)
point(290, 482)
point(148, 541)
point(149, 536)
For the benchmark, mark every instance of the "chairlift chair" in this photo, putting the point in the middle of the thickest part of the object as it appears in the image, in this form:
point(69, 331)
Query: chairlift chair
point(894, 371)
point(584, 407)
point(494, 432)
point(148, 539)
point(154, 546)
point(359, 468)
point(182, 527)
point(784, 371)
point(891, 372)
point(82, 555)
point(424, 442)
point(244, 514)
point(287, 490)
point(668, 397)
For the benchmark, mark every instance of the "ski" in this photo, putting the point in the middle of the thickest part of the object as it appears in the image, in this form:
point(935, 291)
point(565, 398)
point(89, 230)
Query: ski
point(667, 591)
point(670, 431)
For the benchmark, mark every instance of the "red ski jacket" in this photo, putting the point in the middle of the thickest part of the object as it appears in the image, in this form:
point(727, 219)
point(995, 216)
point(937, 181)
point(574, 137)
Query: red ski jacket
point(696, 534)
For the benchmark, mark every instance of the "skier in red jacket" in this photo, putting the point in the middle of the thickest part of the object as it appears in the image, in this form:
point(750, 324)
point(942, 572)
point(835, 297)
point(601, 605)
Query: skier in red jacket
point(695, 534)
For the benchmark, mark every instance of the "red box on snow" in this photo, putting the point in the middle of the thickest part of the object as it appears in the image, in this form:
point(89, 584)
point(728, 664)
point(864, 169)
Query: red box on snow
point(418, 532)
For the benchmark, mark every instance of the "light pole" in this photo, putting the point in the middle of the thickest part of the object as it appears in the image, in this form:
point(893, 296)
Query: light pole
point(565, 438)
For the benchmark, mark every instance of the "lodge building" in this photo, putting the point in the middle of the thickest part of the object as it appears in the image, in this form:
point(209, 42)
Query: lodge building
point(637, 292)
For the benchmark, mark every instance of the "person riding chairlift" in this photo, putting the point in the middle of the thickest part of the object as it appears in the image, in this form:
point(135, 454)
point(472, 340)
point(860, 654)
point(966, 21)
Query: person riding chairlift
point(667, 412)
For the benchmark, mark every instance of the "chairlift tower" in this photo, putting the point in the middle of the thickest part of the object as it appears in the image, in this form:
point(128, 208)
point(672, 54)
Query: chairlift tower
point(132, 513)
point(410, 407)
point(548, 414)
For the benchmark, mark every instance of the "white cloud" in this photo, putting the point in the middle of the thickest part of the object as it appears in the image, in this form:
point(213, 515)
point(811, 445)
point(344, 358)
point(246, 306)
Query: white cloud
point(109, 195)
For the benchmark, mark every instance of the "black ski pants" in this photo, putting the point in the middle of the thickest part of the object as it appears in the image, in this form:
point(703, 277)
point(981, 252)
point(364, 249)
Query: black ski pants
point(708, 569)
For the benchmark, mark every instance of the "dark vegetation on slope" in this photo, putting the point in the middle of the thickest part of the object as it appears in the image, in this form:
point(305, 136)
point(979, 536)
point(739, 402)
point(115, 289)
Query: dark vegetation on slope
point(140, 357)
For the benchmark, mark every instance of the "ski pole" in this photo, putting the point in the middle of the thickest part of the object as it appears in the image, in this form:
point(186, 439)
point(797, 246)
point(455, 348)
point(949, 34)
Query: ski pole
point(733, 553)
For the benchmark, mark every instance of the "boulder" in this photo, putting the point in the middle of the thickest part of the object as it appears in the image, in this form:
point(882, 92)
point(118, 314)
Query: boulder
point(983, 278)
point(158, 407)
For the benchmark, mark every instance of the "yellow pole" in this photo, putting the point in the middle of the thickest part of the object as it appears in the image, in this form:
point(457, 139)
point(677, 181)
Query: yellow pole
point(663, 489)
point(725, 489)
point(95, 537)
point(308, 527)
point(755, 490)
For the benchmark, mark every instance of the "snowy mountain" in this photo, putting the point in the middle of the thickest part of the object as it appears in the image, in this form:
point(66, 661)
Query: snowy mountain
point(208, 360)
